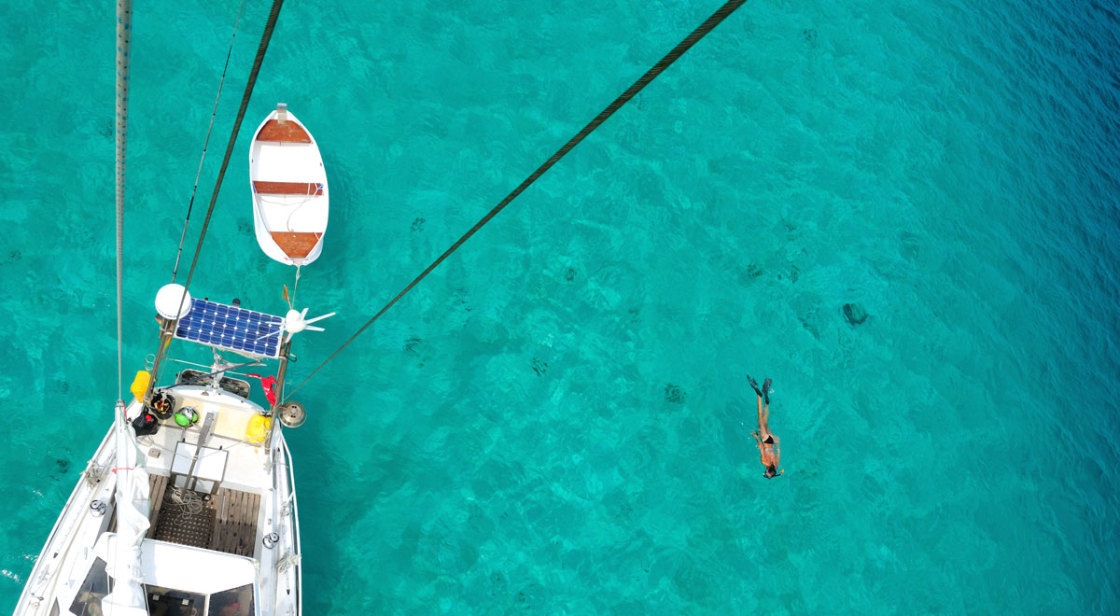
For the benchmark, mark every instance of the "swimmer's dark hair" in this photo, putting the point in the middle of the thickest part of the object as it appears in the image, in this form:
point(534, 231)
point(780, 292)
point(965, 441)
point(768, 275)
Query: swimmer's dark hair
point(772, 472)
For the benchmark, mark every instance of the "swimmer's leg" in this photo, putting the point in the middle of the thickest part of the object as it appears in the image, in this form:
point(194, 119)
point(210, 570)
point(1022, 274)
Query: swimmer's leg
point(758, 392)
point(764, 409)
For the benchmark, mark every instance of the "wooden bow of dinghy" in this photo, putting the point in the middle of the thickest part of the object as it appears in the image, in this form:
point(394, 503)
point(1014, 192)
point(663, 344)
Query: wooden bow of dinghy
point(286, 132)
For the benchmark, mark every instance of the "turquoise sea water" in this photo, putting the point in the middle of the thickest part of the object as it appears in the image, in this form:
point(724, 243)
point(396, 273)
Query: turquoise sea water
point(557, 420)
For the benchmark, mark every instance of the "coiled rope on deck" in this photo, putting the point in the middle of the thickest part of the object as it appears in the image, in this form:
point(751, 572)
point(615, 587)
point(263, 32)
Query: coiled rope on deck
point(124, 40)
point(658, 68)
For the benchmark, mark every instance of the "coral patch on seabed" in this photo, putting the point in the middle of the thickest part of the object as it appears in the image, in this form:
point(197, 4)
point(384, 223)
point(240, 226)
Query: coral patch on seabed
point(674, 394)
point(855, 314)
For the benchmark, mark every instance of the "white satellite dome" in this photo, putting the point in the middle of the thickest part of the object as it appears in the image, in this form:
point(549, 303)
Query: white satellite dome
point(171, 303)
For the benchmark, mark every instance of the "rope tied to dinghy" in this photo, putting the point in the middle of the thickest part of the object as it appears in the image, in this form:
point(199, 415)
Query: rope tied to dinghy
point(658, 68)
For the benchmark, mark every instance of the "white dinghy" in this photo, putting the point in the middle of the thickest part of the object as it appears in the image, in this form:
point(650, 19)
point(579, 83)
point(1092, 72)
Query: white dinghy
point(289, 184)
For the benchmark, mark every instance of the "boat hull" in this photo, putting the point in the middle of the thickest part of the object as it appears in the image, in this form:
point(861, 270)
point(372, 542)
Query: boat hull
point(252, 497)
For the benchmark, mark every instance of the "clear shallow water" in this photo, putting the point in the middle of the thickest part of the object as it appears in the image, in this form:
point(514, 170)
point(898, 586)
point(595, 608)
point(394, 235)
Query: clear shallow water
point(557, 420)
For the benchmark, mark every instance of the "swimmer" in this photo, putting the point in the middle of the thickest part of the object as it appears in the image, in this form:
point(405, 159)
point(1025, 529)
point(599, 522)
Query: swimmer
point(768, 442)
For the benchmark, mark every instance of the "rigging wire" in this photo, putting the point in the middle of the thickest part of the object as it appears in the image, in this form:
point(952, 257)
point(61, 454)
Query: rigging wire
point(124, 40)
point(266, 36)
point(690, 40)
point(206, 143)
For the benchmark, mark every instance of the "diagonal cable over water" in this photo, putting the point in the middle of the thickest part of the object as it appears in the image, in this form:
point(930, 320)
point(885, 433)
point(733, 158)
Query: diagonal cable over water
point(630, 92)
point(266, 37)
point(270, 25)
point(206, 142)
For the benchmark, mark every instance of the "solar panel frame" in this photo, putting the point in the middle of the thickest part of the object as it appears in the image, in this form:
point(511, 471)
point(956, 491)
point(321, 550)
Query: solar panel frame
point(232, 328)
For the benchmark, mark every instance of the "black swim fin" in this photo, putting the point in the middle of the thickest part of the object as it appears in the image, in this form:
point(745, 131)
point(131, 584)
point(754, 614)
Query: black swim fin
point(754, 385)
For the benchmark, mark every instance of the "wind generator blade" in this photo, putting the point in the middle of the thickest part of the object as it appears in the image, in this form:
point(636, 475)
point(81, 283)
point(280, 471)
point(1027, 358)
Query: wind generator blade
point(309, 321)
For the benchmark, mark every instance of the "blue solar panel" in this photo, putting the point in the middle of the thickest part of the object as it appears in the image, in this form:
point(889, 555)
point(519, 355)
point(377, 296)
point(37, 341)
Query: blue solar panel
point(230, 327)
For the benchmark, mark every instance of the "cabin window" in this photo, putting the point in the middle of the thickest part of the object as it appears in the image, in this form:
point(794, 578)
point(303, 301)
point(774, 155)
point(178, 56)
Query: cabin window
point(169, 602)
point(232, 602)
point(96, 585)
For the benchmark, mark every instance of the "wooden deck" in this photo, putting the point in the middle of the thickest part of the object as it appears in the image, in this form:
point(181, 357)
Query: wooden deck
point(288, 188)
point(226, 523)
point(236, 530)
point(288, 132)
point(296, 245)
point(158, 485)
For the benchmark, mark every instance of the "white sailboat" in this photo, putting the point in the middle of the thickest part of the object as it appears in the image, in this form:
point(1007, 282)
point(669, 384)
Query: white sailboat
point(188, 506)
